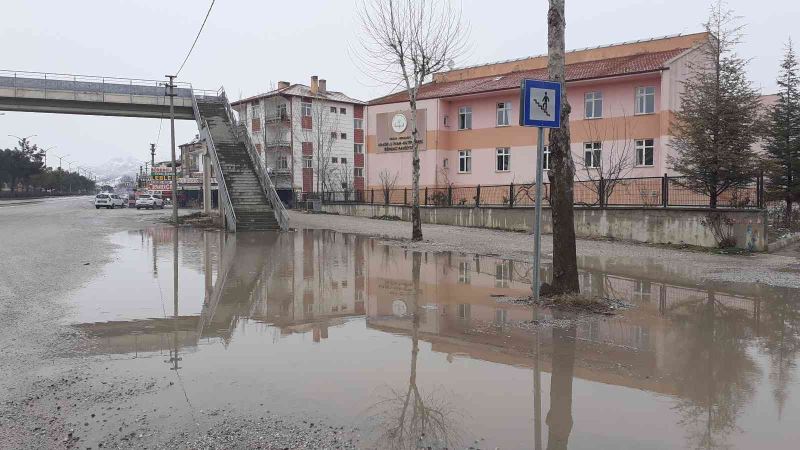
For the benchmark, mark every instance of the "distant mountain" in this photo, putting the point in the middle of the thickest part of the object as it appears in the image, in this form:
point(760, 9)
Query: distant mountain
point(115, 168)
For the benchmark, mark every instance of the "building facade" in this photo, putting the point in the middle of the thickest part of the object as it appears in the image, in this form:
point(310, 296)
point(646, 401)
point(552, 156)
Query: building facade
point(622, 97)
point(310, 138)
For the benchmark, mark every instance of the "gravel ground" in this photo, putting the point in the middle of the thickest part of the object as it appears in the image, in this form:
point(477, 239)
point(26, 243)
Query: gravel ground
point(690, 267)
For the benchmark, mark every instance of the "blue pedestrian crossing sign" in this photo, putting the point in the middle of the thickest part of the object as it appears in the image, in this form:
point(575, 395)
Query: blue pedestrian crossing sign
point(541, 104)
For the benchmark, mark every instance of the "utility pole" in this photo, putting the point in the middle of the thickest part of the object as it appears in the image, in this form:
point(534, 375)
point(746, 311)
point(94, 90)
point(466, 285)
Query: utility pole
point(152, 155)
point(171, 96)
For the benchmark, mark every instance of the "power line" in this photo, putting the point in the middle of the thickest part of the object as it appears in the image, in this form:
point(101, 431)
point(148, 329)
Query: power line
point(196, 38)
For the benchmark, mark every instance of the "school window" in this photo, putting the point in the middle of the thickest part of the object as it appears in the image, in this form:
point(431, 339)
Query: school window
point(358, 172)
point(334, 160)
point(282, 110)
point(592, 152)
point(593, 105)
point(333, 109)
point(305, 109)
point(465, 161)
point(463, 311)
point(307, 164)
point(342, 110)
point(358, 148)
point(644, 152)
point(283, 162)
point(503, 159)
point(503, 114)
point(343, 135)
point(546, 158)
point(344, 185)
point(502, 274)
point(358, 124)
point(465, 118)
point(463, 272)
point(645, 100)
point(500, 316)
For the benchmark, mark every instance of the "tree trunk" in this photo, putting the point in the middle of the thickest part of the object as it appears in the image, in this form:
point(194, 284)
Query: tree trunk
point(565, 261)
point(789, 210)
point(416, 222)
point(713, 198)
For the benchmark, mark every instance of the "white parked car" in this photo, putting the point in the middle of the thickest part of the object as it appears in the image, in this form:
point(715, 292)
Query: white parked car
point(108, 200)
point(150, 201)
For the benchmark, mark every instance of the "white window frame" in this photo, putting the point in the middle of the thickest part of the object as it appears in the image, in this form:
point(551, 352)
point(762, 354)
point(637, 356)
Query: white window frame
point(358, 148)
point(503, 114)
point(642, 93)
point(308, 162)
point(464, 272)
point(255, 111)
point(465, 118)
point(333, 110)
point(465, 161)
point(593, 105)
point(283, 162)
point(502, 158)
point(342, 110)
point(502, 274)
point(305, 109)
point(546, 158)
point(343, 160)
point(596, 149)
point(641, 146)
point(358, 172)
point(358, 124)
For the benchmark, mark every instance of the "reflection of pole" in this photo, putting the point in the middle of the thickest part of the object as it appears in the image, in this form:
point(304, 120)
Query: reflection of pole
point(174, 355)
point(537, 398)
point(537, 251)
point(207, 261)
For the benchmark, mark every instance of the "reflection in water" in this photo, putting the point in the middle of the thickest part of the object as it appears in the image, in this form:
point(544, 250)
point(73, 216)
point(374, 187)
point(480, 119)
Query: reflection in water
point(411, 420)
point(293, 297)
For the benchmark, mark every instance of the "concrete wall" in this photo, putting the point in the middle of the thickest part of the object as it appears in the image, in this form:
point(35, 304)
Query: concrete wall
point(656, 226)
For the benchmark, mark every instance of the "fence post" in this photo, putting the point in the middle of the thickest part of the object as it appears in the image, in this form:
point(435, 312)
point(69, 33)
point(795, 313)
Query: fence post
point(665, 191)
point(601, 192)
point(511, 195)
point(426, 195)
point(405, 196)
point(450, 195)
point(372, 196)
point(478, 197)
point(761, 198)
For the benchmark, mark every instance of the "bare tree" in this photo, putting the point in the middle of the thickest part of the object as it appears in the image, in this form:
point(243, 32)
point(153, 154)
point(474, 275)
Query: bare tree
point(344, 176)
point(562, 172)
point(388, 181)
point(407, 41)
point(605, 168)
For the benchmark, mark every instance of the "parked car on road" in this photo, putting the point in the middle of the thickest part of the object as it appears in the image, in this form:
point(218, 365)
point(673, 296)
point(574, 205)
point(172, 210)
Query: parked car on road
point(149, 201)
point(108, 200)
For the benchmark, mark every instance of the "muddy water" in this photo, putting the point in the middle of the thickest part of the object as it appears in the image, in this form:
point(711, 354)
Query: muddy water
point(416, 348)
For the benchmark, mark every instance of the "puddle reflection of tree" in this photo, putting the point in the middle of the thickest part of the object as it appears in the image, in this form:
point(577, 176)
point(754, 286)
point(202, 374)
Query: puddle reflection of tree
point(559, 418)
point(715, 374)
point(781, 343)
point(409, 419)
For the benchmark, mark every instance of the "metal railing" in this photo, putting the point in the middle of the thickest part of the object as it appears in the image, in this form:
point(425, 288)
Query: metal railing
point(240, 133)
point(89, 84)
point(647, 192)
point(225, 202)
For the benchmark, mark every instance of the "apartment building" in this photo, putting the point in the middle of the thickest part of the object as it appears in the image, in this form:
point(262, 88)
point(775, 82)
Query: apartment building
point(311, 138)
point(622, 96)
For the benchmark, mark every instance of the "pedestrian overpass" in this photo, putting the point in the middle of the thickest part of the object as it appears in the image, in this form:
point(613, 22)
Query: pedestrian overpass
point(247, 195)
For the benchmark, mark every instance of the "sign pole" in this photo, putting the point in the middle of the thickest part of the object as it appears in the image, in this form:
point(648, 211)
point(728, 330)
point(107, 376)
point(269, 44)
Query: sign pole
point(537, 251)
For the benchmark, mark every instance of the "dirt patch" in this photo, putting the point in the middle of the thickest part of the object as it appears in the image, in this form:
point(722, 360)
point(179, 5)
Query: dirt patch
point(395, 218)
point(198, 220)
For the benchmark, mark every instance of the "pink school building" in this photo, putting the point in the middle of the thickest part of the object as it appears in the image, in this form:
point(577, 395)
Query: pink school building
point(622, 99)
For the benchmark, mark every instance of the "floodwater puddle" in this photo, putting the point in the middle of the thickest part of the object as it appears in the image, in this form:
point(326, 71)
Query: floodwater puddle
point(414, 349)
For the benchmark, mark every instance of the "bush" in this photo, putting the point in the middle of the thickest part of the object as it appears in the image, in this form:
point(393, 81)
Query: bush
point(721, 227)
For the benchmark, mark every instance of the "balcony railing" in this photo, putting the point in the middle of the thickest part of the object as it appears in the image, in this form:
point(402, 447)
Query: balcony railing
point(276, 118)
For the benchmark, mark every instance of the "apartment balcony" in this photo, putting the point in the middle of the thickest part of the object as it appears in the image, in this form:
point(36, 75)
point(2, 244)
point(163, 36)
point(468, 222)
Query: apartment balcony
point(277, 118)
point(279, 144)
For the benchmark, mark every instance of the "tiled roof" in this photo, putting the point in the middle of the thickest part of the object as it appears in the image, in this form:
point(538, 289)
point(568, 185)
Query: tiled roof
point(301, 90)
point(602, 68)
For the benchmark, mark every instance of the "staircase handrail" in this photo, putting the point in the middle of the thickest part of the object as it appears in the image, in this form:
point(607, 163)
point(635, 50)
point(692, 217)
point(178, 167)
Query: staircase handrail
point(226, 204)
point(240, 131)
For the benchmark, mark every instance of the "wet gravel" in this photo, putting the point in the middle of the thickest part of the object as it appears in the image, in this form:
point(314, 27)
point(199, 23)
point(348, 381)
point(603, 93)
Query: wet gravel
point(624, 258)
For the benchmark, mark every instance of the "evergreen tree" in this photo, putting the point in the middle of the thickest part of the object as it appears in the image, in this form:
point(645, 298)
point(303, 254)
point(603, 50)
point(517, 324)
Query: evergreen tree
point(783, 136)
point(717, 125)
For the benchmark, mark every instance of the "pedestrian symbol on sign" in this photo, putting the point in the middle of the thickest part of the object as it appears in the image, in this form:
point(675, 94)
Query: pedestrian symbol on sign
point(545, 100)
point(541, 102)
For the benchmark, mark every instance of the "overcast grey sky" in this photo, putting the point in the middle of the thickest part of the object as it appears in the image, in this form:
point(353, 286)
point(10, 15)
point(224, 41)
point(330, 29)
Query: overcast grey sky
point(248, 45)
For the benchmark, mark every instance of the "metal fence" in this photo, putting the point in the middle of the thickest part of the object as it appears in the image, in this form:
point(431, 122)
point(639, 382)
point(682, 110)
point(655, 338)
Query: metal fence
point(649, 192)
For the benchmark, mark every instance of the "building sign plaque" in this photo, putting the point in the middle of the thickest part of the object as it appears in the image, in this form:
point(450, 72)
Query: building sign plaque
point(394, 131)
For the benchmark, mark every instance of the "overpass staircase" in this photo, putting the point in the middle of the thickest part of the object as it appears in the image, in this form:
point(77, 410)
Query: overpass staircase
point(247, 195)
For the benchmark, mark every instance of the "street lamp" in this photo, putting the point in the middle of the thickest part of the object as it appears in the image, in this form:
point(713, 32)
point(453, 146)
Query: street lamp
point(22, 139)
point(45, 154)
point(60, 158)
